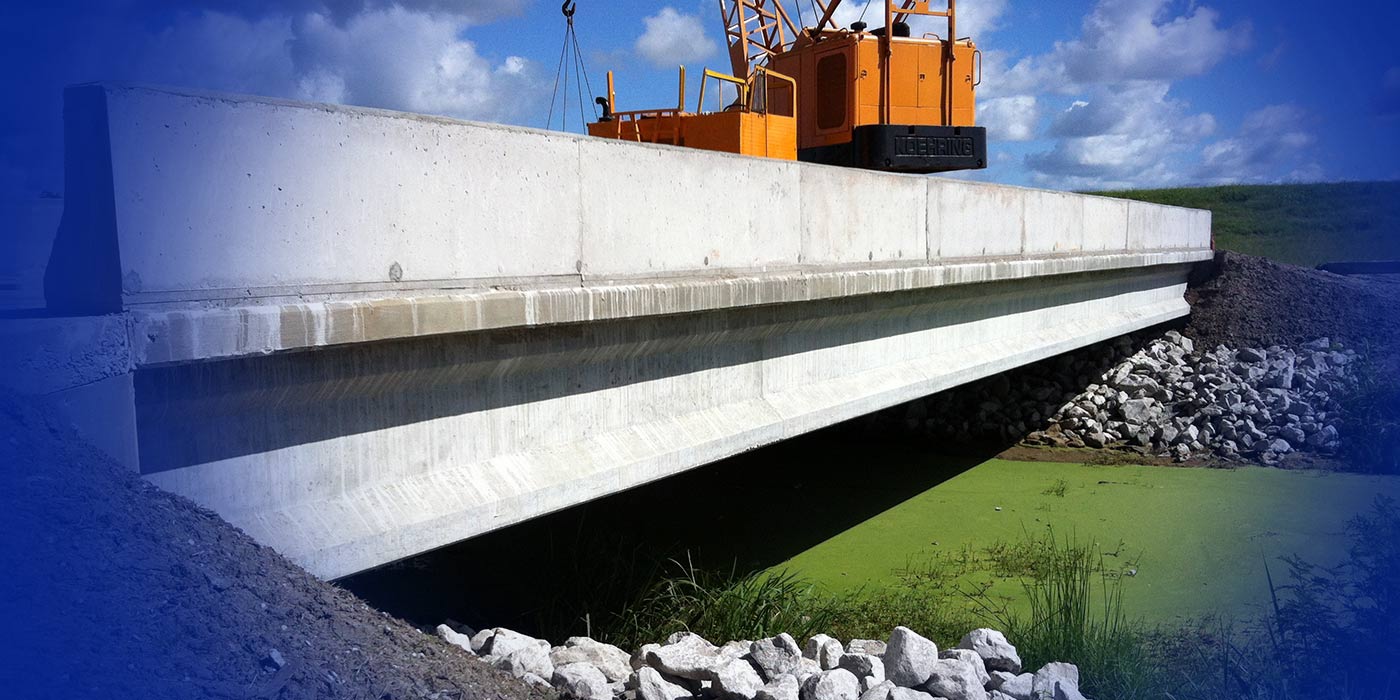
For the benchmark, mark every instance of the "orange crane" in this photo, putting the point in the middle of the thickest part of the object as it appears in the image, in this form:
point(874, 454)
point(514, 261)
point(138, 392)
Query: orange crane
point(870, 98)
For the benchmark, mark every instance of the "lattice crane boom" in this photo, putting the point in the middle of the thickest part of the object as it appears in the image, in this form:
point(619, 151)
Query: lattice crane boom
point(756, 30)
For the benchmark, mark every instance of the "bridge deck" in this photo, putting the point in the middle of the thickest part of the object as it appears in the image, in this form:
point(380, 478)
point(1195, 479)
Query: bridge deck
point(360, 335)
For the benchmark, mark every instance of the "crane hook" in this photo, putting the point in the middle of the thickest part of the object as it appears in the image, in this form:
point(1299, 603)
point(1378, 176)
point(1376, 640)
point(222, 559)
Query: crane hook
point(568, 8)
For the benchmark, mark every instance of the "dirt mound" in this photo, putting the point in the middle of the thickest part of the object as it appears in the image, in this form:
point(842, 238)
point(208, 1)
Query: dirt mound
point(114, 589)
point(1256, 302)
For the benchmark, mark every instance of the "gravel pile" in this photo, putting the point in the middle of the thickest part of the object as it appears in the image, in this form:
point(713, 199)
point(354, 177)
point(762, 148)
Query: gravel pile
point(1166, 399)
point(984, 666)
point(1234, 404)
point(115, 589)
point(1260, 371)
point(1254, 302)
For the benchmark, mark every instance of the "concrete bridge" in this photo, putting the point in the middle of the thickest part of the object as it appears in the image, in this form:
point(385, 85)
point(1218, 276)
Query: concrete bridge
point(360, 335)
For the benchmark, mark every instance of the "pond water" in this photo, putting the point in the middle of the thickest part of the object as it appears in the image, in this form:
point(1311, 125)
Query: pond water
point(848, 509)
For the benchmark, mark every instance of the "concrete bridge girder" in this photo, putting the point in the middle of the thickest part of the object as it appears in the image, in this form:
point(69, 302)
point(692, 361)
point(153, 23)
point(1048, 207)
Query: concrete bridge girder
point(488, 324)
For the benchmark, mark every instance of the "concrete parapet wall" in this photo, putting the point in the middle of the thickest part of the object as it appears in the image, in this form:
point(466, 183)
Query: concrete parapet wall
point(229, 201)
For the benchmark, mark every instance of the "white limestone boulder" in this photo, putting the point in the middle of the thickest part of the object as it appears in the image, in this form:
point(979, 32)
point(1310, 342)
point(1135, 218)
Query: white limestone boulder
point(612, 661)
point(836, 684)
point(824, 650)
point(909, 658)
point(997, 653)
point(582, 681)
point(776, 656)
point(687, 656)
point(954, 679)
point(736, 679)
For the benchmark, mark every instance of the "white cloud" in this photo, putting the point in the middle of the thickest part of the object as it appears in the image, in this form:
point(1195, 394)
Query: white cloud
point(1138, 40)
point(401, 59)
point(1006, 75)
point(851, 12)
point(1134, 109)
point(672, 38)
point(1271, 141)
point(981, 17)
point(1009, 118)
point(1128, 134)
point(391, 58)
point(215, 51)
point(1121, 41)
point(1120, 125)
point(1095, 161)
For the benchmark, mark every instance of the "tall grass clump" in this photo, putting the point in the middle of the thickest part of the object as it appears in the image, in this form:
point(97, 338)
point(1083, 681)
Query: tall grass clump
point(1076, 614)
point(1371, 423)
point(928, 598)
point(1335, 631)
point(724, 606)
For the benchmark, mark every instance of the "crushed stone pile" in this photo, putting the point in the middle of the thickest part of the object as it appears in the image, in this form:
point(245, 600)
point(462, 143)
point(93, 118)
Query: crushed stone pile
point(1166, 399)
point(1263, 368)
point(907, 666)
point(115, 589)
point(1228, 403)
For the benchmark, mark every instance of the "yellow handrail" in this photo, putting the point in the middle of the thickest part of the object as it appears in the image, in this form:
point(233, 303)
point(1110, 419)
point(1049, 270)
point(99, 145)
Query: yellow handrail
point(743, 88)
point(746, 87)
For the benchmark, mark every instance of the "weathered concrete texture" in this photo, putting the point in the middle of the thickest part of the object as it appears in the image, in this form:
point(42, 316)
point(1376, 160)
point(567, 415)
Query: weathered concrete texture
point(199, 334)
point(351, 457)
point(213, 198)
point(854, 216)
point(657, 211)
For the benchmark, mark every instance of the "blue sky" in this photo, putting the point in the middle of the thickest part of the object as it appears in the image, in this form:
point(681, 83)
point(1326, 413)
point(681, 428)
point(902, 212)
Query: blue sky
point(1084, 94)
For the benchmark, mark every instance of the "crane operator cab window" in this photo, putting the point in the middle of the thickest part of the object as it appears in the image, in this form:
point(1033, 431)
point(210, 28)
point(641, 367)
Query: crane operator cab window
point(832, 86)
point(778, 98)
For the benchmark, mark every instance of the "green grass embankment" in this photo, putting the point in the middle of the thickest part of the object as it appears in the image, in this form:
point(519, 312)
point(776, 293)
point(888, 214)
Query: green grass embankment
point(1298, 224)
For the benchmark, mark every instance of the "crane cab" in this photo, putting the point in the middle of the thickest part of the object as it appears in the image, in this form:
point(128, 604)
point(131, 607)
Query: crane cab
point(840, 120)
point(879, 99)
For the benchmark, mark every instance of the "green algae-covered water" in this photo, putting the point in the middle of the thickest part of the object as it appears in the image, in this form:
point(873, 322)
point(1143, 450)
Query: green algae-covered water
point(1197, 538)
point(848, 509)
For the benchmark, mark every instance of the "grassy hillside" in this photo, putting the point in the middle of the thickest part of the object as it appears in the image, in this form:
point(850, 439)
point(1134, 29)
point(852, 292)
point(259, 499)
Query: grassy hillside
point(1299, 224)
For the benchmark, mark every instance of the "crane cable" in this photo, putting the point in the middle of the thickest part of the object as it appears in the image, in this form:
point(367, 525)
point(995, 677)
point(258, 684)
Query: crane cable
point(864, 10)
point(562, 74)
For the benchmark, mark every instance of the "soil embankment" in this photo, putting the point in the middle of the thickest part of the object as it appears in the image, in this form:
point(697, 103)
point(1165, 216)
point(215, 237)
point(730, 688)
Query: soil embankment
point(1254, 302)
point(114, 589)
